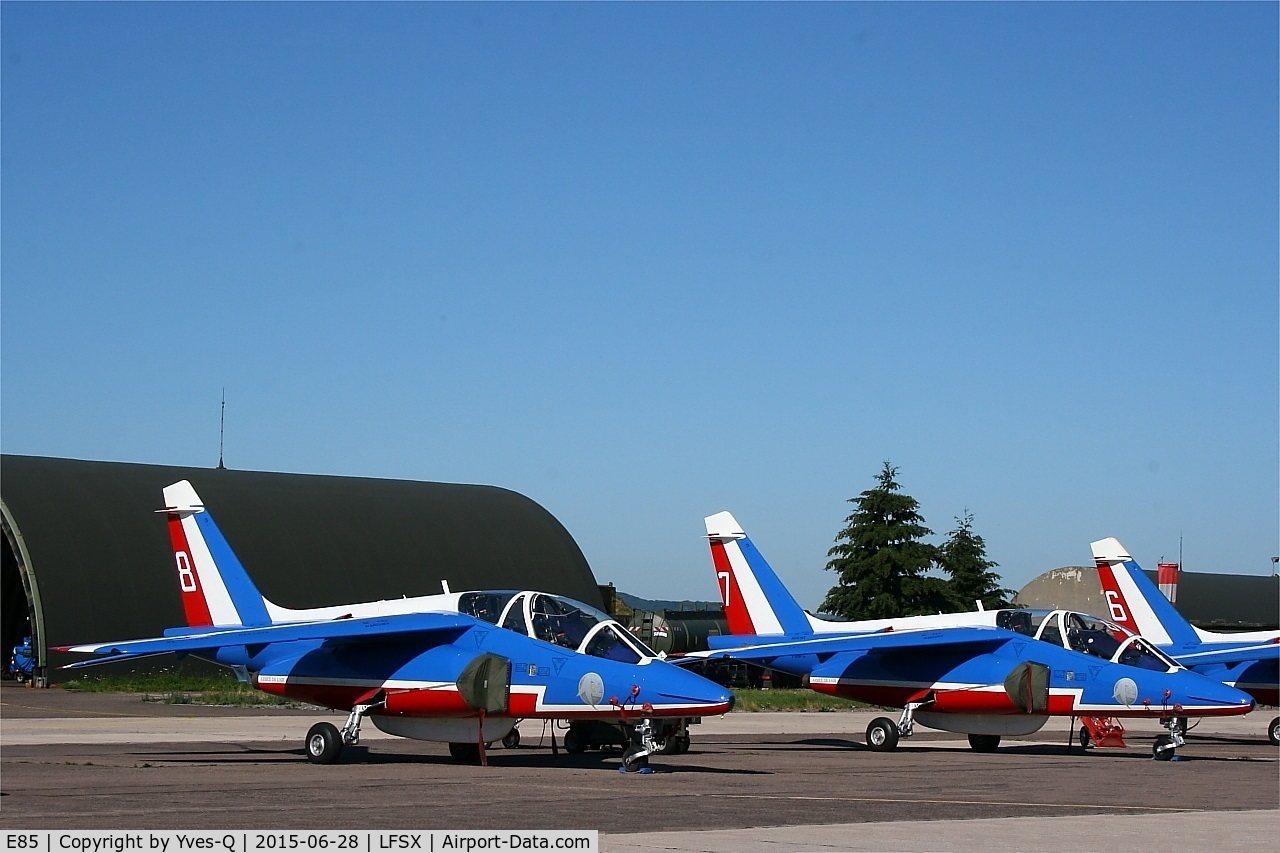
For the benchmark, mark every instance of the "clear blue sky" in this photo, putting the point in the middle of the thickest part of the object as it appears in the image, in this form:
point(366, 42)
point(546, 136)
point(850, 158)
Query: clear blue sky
point(647, 262)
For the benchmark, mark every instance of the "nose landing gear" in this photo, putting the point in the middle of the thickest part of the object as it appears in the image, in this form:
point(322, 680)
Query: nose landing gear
point(1166, 745)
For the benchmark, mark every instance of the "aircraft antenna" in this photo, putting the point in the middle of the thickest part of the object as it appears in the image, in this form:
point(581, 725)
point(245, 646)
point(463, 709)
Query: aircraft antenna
point(222, 428)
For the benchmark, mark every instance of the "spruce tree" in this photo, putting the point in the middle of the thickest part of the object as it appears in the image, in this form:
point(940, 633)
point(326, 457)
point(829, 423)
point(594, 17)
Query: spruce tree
point(963, 557)
point(881, 560)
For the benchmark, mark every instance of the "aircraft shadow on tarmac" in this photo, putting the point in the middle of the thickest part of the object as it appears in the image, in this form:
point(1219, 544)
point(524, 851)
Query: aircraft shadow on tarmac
point(523, 758)
point(1136, 751)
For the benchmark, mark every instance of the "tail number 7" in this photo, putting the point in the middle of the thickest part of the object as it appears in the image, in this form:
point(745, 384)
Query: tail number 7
point(723, 577)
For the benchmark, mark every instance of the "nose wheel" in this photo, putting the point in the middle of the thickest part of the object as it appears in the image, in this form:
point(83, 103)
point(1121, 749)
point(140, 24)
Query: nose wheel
point(1166, 745)
point(644, 744)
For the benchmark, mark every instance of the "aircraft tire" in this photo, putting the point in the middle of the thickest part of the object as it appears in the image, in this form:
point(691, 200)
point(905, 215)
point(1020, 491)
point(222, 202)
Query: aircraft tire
point(1085, 740)
point(464, 753)
point(676, 744)
point(511, 739)
point(882, 734)
point(1162, 749)
point(984, 743)
point(632, 762)
point(574, 742)
point(323, 744)
point(1273, 732)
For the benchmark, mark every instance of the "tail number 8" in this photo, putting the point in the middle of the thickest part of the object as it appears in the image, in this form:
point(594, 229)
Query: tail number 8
point(186, 574)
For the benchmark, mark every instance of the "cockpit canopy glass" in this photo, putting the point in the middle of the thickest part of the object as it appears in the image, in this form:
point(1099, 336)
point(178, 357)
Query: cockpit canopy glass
point(485, 605)
point(1088, 635)
point(558, 620)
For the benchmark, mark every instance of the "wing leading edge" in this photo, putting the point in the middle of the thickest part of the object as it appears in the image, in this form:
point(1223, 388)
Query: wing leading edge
point(975, 638)
point(445, 626)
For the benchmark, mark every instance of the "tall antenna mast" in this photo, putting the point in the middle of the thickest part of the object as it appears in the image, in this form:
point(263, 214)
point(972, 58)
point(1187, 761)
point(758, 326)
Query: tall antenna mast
point(222, 427)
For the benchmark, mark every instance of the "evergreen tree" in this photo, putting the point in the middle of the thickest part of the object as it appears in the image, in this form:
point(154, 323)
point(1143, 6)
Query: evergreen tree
point(881, 560)
point(963, 557)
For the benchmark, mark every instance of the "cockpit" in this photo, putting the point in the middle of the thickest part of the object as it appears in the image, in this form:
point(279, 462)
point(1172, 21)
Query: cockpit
point(557, 620)
point(1087, 634)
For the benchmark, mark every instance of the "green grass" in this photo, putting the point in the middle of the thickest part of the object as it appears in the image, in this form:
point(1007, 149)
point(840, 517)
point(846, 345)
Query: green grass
point(155, 682)
point(181, 688)
point(791, 700)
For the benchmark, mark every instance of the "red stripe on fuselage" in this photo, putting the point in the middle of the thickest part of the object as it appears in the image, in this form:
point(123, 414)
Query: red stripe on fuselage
point(735, 606)
point(193, 602)
point(446, 701)
point(996, 702)
point(1263, 695)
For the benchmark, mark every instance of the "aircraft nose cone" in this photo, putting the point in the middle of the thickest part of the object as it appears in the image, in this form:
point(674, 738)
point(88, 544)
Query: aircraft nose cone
point(1208, 692)
point(696, 690)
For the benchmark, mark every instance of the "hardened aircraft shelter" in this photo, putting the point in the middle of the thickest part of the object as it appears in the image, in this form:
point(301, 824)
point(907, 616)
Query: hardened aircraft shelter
point(86, 557)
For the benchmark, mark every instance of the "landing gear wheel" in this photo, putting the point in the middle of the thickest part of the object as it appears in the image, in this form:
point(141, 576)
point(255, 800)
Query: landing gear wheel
point(1162, 749)
point(984, 743)
point(1273, 732)
point(632, 761)
point(465, 753)
point(574, 742)
point(511, 739)
point(882, 734)
point(323, 744)
point(675, 744)
point(1085, 740)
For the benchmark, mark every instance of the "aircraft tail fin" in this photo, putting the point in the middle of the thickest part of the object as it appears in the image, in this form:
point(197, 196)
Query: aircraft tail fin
point(755, 600)
point(216, 590)
point(1137, 603)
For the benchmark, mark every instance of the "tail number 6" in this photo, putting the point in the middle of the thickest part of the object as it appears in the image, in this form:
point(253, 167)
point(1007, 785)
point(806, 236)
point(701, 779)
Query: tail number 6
point(1118, 612)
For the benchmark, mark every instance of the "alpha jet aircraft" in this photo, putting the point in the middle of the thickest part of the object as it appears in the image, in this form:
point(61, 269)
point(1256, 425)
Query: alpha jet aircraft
point(980, 680)
point(1248, 661)
point(458, 668)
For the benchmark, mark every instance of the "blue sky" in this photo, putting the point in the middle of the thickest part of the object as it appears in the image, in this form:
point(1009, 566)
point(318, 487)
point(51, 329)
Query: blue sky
point(647, 262)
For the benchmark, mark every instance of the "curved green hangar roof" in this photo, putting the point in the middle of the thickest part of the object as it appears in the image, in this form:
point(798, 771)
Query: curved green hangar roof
point(87, 558)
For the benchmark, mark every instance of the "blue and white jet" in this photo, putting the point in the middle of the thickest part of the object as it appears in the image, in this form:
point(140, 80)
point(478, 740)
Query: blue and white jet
point(950, 671)
point(1248, 661)
point(460, 668)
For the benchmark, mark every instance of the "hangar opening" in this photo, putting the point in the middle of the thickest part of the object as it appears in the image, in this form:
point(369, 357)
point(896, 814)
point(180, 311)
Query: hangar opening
point(17, 602)
point(86, 557)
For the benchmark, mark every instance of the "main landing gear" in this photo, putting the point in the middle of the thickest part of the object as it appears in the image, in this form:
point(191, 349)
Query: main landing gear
point(638, 741)
point(883, 734)
point(325, 741)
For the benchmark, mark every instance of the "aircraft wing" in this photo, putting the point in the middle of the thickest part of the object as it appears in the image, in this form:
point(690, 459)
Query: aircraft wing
point(976, 637)
point(351, 630)
point(1240, 654)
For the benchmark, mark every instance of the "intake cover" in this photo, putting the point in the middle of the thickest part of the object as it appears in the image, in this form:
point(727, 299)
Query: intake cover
point(1028, 687)
point(485, 683)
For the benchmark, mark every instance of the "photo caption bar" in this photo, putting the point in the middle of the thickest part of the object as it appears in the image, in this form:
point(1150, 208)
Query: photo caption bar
point(265, 841)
